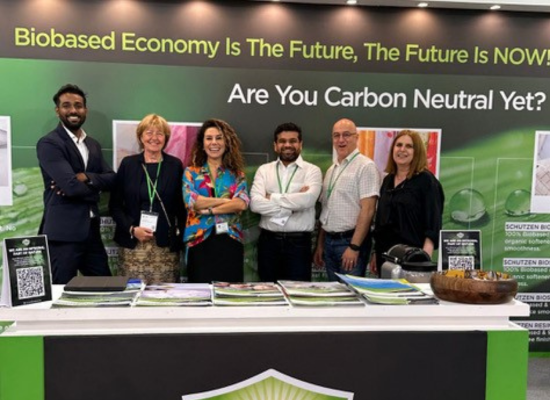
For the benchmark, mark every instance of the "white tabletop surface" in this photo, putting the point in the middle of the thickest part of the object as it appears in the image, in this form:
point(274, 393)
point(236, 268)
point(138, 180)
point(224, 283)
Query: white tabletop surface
point(40, 319)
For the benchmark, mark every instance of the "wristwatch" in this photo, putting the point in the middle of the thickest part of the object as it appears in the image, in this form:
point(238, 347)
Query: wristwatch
point(354, 247)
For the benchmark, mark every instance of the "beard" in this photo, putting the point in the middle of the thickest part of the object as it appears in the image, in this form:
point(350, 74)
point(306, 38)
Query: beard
point(73, 126)
point(290, 156)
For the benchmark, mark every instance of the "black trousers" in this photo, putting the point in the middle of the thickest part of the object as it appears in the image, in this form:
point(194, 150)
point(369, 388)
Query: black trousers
point(89, 257)
point(218, 258)
point(284, 256)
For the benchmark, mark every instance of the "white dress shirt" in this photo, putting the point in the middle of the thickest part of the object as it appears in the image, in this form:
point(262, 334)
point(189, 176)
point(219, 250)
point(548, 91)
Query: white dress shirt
point(352, 180)
point(80, 145)
point(293, 208)
point(83, 149)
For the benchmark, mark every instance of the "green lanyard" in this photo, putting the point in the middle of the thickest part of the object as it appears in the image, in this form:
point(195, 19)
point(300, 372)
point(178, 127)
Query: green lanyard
point(212, 180)
point(288, 183)
point(152, 187)
point(331, 184)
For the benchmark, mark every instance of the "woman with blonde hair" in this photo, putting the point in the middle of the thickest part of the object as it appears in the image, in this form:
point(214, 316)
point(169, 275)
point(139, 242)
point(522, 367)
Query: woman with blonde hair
point(147, 206)
point(411, 200)
point(215, 193)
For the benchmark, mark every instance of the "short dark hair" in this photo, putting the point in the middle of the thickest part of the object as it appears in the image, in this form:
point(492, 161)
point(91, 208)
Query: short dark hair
point(69, 88)
point(287, 127)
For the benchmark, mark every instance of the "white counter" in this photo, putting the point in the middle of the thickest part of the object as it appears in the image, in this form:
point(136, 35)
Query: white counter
point(40, 319)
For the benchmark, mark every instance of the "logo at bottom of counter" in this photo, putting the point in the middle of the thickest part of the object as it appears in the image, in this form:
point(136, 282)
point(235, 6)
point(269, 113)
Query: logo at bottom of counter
point(272, 385)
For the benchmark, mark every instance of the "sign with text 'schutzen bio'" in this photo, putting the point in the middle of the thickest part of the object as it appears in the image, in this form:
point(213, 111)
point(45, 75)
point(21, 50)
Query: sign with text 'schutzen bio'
point(26, 273)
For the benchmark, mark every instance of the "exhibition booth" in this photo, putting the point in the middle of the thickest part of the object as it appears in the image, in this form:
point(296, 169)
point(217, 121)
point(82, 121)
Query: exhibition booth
point(474, 85)
point(449, 350)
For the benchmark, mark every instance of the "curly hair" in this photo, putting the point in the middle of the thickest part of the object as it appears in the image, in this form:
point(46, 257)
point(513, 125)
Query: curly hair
point(232, 158)
point(419, 162)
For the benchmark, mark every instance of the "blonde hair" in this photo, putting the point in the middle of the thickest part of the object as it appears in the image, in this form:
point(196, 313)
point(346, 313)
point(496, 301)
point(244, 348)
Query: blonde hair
point(153, 121)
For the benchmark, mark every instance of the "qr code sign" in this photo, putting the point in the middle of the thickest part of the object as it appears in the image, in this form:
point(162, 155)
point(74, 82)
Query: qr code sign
point(30, 282)
point(461, 262)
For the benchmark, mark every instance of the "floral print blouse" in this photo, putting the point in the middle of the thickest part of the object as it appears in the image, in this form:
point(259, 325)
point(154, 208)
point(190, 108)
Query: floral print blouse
point(197, 182)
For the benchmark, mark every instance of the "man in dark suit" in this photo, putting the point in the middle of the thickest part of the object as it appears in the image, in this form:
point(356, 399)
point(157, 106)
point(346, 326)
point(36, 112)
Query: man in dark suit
point(74, 174)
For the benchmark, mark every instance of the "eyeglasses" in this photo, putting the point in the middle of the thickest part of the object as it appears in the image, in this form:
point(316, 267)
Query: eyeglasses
point(343, 135)
point(153, 133)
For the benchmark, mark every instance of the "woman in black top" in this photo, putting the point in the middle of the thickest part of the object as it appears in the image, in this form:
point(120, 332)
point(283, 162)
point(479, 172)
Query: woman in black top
point(147, 206)
point(411, 200)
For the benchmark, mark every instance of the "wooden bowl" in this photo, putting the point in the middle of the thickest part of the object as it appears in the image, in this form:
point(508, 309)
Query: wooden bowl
point(453, 286)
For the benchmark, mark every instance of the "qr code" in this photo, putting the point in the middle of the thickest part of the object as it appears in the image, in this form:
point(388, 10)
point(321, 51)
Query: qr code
point(461, 262)
point(30, 282)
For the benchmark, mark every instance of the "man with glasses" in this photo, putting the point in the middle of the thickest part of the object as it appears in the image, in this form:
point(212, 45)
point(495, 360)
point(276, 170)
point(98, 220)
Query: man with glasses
point(350, 192)
point(74, 174)
point(284, 193)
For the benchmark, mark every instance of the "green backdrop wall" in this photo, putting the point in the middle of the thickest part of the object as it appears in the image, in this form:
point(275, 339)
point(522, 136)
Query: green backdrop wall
point(479, 77)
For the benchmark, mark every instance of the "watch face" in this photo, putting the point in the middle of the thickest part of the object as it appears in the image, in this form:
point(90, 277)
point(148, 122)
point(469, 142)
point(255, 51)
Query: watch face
point(354, 247)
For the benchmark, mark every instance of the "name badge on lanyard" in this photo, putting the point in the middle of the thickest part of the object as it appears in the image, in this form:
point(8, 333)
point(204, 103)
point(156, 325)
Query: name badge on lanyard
point(149, 219)
point(281, 221)
point(222, 227)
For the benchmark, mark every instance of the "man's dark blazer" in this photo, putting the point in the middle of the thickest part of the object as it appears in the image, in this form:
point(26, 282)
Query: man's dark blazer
point(126, 200)
point(67, 215)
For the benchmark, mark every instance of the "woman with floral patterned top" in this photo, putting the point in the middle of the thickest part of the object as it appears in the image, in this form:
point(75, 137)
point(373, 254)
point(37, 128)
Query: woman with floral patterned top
point(215, 194)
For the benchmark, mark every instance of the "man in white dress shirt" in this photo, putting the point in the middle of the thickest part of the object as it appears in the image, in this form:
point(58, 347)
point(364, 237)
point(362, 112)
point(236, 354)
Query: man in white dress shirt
point(350, 193)
point(284, 193)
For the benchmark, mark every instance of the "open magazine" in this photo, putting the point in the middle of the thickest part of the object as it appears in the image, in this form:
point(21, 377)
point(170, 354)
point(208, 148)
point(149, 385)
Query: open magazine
point(125, 298)
point(388, 291)
point(318, 294)
point(248, 294)
point(175, 295)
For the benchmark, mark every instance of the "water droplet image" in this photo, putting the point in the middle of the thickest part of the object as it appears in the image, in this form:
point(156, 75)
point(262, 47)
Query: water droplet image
point(518, 203)
point(519, 175)
point(20, 189)
point(467, 205)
